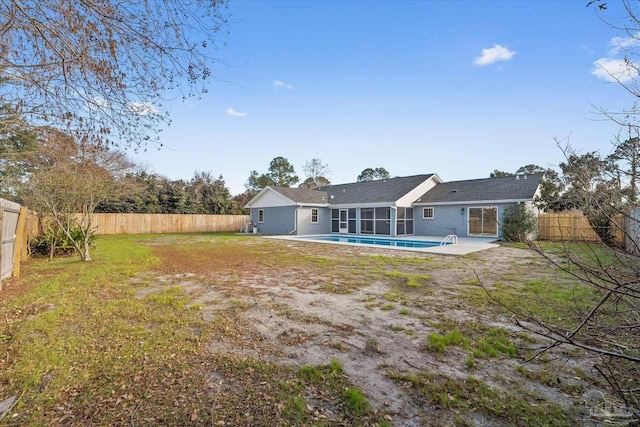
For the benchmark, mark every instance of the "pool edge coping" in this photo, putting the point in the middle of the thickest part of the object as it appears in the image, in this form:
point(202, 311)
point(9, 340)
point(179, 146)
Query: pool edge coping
point(463, 247)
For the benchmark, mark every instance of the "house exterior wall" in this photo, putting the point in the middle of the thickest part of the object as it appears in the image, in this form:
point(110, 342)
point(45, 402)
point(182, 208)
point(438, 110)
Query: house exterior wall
point(448, 219)
point(278, 220)
point(305, 227)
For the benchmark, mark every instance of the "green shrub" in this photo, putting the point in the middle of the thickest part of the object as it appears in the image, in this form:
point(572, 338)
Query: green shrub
point(55, 242)
point(517, 222)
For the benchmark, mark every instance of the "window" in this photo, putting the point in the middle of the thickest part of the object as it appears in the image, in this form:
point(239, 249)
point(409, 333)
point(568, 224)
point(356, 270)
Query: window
point(427, 213)
point(314, 216)
point(366, 220)
point(260, 215)
point(404, 221)
point(483, 221)
point(375, 220)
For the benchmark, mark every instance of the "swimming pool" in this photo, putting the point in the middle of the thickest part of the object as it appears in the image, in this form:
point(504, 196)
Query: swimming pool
point(378, 241)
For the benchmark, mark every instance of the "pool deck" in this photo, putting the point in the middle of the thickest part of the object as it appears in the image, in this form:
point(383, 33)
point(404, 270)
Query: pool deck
point(465, 245)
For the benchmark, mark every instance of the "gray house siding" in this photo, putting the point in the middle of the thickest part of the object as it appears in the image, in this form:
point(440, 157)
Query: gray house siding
point(305, 227)
point(278, 220)
point(450, 219)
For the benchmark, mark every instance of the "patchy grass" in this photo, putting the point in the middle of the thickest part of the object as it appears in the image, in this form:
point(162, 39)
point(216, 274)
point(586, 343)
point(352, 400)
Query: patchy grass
point(128, 339)
point(409, 279)
point(472, 395)
point(439, 342)
point(80, 346)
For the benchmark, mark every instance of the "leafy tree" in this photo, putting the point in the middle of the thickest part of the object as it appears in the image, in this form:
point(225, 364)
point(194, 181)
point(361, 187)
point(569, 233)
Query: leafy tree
point(500, 174)
point(71, 179)
point(257, 182)
point(99, 70)
point(16, 142)
point(370, 174)
point(282, 173)
point(624, 163)
point(316, 172)
point(551, 188)
point(211, 194)
point(530, 170)
point(151, 193)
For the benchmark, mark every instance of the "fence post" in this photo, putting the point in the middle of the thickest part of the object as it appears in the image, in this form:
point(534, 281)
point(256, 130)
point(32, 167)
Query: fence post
point(24, 251)
point(21, 238)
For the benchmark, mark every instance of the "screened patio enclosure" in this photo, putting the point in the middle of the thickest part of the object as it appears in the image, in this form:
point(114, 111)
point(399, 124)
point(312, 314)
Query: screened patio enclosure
point(372, 220)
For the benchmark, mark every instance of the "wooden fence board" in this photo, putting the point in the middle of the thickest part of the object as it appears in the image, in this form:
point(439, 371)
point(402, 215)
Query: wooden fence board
point(132, 223)
point(9, 217)
point(571, 226)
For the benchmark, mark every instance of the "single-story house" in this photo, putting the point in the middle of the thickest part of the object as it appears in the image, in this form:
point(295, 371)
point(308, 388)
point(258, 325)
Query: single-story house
point(420, 205)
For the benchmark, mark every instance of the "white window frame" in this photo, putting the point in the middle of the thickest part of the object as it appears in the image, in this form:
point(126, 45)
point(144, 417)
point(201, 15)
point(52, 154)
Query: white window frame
point(433, 213)
point(260, 216)
point(315, 211)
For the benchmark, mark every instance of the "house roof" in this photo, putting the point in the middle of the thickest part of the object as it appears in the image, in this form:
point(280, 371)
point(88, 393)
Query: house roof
point(522, 187)
point(303, 195)
point(378, 191)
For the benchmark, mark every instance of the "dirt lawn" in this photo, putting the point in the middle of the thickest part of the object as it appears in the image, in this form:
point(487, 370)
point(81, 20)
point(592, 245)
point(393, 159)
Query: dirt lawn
point(416, 333)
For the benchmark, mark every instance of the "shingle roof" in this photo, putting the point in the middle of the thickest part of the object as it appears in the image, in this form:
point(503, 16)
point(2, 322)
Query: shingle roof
point(508, 188)
point(378, 191)
point(303, 195)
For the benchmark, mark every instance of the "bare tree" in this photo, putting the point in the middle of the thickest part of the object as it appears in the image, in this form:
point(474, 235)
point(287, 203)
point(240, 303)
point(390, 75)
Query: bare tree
point(608, 327)
point(70, 180)
point(99, 70)
point(317, 173)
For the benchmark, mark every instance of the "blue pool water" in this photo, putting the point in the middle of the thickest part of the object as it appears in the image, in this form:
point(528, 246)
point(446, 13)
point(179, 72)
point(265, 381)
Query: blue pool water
point(380, 241)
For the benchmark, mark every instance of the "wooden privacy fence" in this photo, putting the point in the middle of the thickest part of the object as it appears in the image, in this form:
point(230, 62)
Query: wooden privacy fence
point(13, 238)
point(132, 223)
point(571, 226)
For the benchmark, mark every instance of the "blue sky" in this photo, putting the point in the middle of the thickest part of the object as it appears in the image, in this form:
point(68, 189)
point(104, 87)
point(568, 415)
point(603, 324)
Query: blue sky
point(455, 88)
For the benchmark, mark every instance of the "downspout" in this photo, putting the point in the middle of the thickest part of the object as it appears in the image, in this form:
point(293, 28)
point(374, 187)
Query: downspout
point(395, 222)
point(295, 222)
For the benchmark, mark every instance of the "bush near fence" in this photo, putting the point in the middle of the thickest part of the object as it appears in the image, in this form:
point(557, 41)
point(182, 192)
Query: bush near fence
point(132, 223)
point(571, 226)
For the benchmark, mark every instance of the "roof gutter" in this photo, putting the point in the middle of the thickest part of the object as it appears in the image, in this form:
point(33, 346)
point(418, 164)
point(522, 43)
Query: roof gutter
point(471, 202)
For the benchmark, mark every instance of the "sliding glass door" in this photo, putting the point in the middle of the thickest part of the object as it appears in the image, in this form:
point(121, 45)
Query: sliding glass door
point(483, 221)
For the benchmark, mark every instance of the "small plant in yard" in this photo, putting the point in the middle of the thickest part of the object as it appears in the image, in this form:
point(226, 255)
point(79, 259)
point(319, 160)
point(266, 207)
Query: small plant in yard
point(439, 342)
point(404, 312)
point(295, 408)
point(372, 346)
point(355, 400)
point(387, 307)
point(311, 374)
point(335, 366)
point(471, 363)
point(497, 341)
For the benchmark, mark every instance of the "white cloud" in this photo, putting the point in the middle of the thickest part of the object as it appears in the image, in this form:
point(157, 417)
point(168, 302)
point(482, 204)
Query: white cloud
point(280, 83)
point(623, 43)
point(494, 54)
point(234, 113)
point(614, 70)
point(143, 108)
